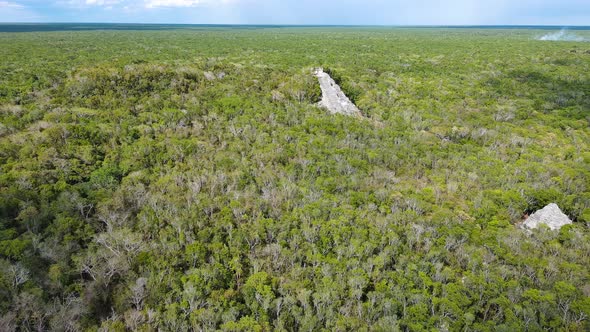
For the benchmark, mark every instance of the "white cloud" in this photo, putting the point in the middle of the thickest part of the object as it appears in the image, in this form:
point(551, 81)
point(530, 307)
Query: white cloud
point(145, 3)
point(181, 3)
point(172, 3)
point(15, 12)
point(87, 3)
point(102, 2)
point(7, 4)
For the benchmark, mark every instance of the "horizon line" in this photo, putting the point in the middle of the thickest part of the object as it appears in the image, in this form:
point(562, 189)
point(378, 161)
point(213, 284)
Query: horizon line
point(311, 25)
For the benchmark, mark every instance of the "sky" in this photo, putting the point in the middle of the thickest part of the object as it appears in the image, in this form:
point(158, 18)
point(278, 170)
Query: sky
point(324, 12)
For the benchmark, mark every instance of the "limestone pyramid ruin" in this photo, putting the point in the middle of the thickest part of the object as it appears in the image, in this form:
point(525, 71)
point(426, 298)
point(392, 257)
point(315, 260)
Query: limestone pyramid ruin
point(333, 98)
point(551, 215)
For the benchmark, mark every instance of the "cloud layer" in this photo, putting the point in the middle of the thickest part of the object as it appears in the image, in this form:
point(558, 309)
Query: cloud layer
point(147, 3)
point(172, 3)
point(370, 12)
point(8, 4)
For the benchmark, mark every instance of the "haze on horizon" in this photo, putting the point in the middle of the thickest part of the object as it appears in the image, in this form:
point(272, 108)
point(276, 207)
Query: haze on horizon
point(321, 12)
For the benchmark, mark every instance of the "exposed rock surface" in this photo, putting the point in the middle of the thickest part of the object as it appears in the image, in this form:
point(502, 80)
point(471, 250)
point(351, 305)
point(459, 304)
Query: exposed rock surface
point(333, 98)
point(550, 215)
point(210, 76)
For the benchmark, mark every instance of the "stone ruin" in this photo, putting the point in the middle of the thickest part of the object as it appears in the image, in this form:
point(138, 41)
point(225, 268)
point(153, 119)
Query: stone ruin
point(551, 216)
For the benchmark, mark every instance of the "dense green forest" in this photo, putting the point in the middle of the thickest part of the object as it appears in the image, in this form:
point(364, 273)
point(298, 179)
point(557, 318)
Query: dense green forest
point(186, 180)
